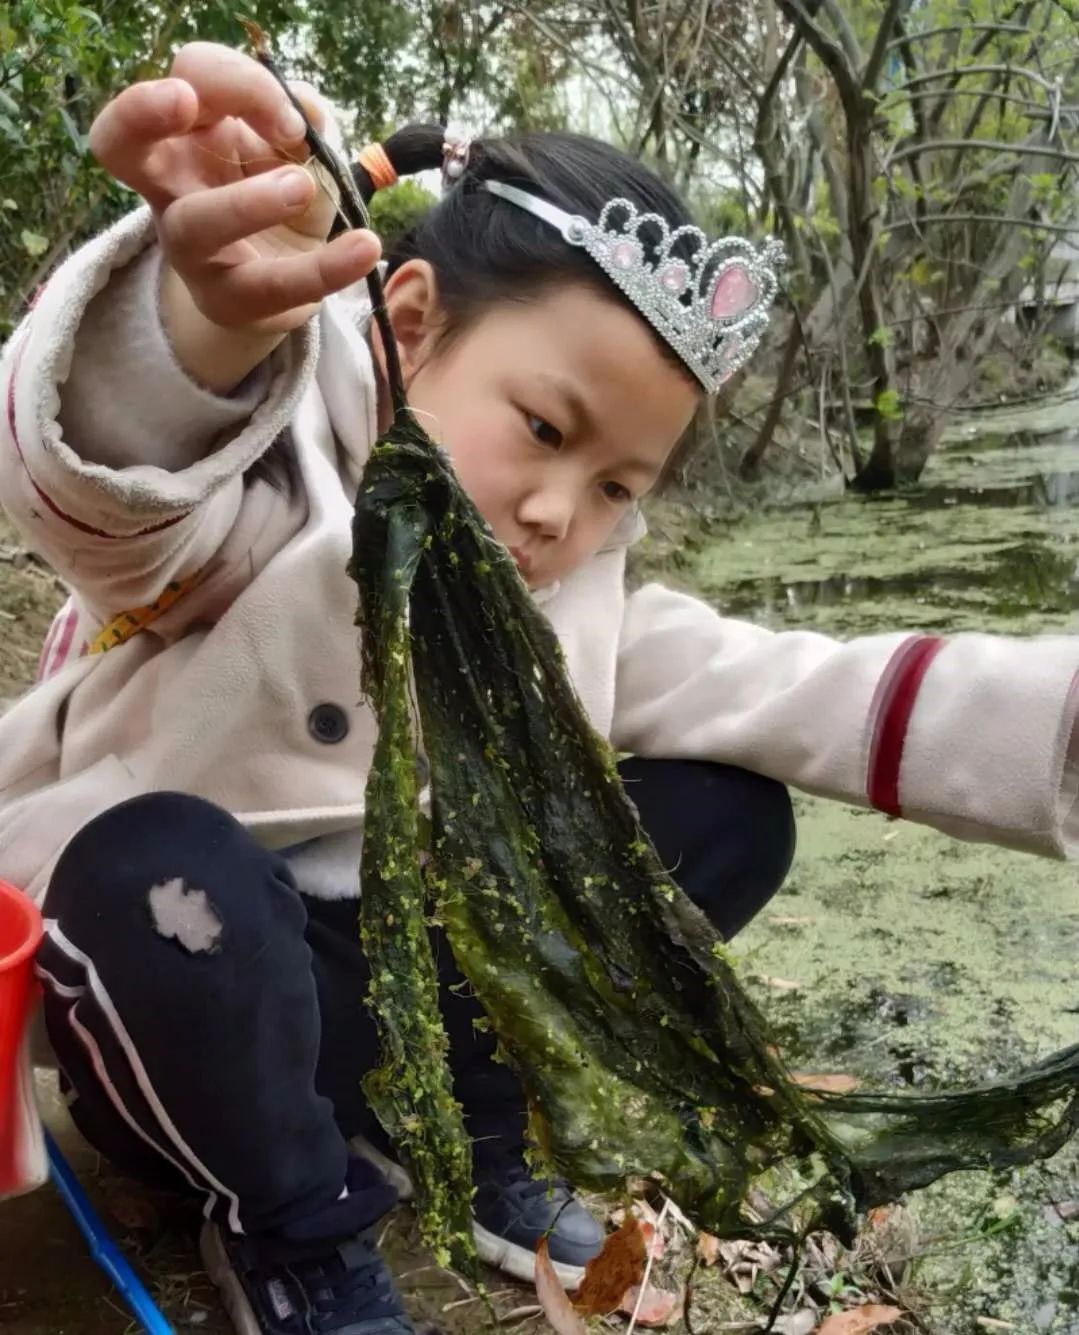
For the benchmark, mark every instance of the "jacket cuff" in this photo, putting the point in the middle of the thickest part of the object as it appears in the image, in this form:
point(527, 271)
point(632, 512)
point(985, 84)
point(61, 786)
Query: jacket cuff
point(122, 352)
point(132, 498)
point(974, 732)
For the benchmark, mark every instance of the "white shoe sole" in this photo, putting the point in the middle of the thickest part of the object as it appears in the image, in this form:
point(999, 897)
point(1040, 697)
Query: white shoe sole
point(392, 1171)
point(509, 1257)
point(513, 1259)
point(219, 1268)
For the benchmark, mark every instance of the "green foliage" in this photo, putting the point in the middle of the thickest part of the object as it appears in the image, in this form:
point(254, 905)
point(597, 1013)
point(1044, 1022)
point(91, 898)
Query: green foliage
point(395, 212)
point(59, 63)
point(381, 62)
point(723, 213)
point(889, 406)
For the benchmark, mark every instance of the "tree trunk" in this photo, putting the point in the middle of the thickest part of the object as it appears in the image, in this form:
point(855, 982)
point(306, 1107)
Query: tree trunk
point(749, 467)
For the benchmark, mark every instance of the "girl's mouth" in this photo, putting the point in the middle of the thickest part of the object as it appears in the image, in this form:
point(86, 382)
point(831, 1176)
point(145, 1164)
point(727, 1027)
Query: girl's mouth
point(522, 561)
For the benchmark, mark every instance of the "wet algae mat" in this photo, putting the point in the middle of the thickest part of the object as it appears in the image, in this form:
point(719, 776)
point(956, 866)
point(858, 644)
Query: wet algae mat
point(914, 960)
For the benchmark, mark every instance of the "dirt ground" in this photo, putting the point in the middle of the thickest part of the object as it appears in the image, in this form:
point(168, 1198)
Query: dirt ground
point(29, 598)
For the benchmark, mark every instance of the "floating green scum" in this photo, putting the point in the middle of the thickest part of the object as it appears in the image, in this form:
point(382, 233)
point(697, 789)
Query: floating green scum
point(611, 994)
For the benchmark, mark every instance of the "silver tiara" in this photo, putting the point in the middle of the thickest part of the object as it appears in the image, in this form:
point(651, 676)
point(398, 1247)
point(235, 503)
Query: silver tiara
point(710, 300)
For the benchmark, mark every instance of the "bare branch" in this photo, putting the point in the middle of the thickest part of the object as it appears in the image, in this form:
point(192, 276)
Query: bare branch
point(881, 44)
point(848, 39)
point(962, 28)
point(833, 56)
point(997, 146)
point(961, 71)
point(1035, 110)
point(1033, 224)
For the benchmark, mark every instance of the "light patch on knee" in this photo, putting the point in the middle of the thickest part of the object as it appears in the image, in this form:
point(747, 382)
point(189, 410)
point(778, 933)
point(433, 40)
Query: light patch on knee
point(186, 915)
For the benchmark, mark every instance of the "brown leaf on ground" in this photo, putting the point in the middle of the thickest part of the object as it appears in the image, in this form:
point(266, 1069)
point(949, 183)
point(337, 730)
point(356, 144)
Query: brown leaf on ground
point(707, 1248)
point(859, 1320)
point(658, 1307)
point(834, 1083)
point(553, 1298)
point(618, 1267)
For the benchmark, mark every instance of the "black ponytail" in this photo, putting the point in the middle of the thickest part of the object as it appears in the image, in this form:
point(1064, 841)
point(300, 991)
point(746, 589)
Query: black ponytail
point(413, 149)
point(486, 251)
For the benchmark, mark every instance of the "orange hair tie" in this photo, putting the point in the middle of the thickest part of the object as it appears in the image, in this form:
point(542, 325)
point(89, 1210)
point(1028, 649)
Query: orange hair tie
point(376, 163)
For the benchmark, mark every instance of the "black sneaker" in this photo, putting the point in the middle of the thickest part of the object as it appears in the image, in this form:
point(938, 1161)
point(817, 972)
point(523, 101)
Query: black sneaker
point(512, 1212)
point(275, 1287)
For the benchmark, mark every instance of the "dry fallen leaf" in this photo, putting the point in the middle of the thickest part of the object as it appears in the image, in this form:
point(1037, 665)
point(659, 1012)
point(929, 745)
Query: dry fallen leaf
point(707, 1248)
point(553, 1298)
point(780, 984)
point(802, 1322)
point(618, 1267)
point(835, 1083)
point(657, 1308)
point(859, 1320)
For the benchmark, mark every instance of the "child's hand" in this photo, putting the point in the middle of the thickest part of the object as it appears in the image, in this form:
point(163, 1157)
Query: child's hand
point(243, 236)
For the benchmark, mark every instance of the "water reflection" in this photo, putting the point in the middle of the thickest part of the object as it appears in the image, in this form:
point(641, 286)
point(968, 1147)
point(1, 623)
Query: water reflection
point(1027, 576)
point(1043, 489)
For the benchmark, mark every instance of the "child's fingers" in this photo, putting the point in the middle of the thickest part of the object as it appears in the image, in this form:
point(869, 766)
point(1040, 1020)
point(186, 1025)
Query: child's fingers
point(127, 130)
point(228, 83)
point(261, 289)
point(198, 225)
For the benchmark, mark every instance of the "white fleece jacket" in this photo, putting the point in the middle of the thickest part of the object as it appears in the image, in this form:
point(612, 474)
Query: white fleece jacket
point(125, 476)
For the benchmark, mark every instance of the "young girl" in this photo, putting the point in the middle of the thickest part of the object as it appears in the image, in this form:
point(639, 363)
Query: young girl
point(189, 407)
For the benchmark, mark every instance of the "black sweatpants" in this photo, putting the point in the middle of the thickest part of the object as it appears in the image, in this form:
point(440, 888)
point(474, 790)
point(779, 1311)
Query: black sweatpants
point(210, 1020)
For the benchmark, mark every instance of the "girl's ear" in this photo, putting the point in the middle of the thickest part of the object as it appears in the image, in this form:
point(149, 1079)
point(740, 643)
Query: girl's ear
point(415, 314)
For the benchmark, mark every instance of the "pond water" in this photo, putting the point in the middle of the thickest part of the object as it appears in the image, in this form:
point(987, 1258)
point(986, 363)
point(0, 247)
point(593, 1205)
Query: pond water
point(919, 960)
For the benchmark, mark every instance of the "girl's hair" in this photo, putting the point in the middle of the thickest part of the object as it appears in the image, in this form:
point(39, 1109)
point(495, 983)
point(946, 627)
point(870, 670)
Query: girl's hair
point(485, 250)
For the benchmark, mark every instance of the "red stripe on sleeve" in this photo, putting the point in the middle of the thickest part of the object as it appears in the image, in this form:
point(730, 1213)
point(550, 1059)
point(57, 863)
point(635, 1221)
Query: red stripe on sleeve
point(67, 634)
point(47, 499)
point(894, 706)
point(46, 648)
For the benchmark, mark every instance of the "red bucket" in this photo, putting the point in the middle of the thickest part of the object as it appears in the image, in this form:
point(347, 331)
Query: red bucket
point(21, 1155)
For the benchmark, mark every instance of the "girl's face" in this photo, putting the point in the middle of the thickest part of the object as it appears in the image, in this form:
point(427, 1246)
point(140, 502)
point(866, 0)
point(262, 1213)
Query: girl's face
point(559, 413)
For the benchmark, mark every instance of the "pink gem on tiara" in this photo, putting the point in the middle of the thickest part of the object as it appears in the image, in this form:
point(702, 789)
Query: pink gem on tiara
point(626, 254)
point(735, 293)
point(674, 278)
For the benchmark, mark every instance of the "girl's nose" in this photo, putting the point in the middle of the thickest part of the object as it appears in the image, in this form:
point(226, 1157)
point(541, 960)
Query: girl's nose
point(548, 508)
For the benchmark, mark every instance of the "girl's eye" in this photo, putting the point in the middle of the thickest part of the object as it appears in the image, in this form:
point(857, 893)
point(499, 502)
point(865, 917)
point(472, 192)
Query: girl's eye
point(614, 491)
point(543, 431)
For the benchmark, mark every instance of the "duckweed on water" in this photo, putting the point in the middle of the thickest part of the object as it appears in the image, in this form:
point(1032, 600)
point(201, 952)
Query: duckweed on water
point(992, 545)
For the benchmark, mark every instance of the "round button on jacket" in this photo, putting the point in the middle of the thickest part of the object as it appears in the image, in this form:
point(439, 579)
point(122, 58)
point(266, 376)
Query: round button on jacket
point(328, 723)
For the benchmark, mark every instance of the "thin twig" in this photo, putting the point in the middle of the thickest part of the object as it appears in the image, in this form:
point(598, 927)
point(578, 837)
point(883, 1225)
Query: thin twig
point(647, 1271)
